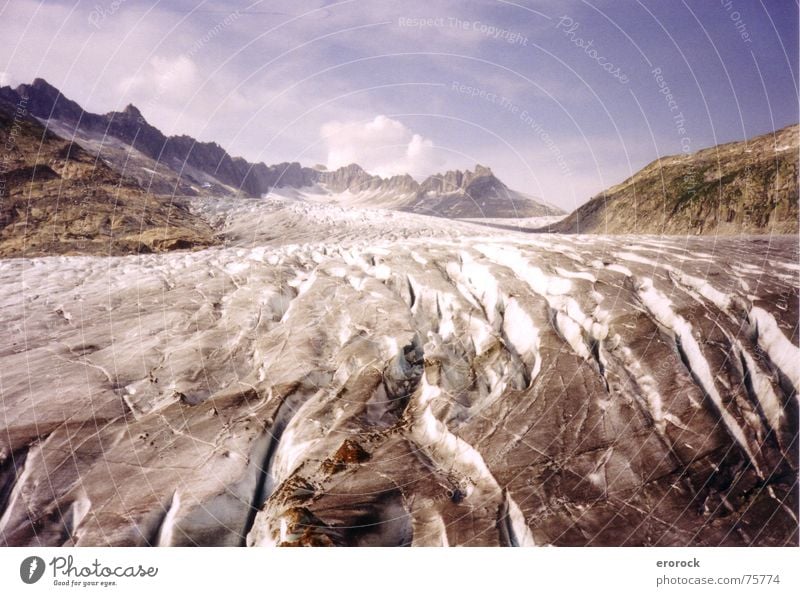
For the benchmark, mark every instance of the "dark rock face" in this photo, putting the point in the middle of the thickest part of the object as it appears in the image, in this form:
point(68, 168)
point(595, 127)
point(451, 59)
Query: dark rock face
point(736, 188)
point(458, 181)
point(45, 101)
point(351, 177)
point(280, 175)
point(313, 383)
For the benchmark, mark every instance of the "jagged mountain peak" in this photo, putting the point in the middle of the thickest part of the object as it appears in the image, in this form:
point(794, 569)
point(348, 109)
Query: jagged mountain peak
point(44, 101)
point(350, 177)
point(40, 85)
point(130, 117)
point(458, 181)
point(402, 177)
point(483, 170)
point(479, 170)
point(133, 111)
point(354, 178)
point(40, 92)
point(352, 167)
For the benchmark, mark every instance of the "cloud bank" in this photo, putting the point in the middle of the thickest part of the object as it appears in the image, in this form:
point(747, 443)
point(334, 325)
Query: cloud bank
point(382, 146)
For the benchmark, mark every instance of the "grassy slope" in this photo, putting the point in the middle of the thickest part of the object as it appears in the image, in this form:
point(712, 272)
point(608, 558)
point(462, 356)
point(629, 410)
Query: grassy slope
point(736, 188)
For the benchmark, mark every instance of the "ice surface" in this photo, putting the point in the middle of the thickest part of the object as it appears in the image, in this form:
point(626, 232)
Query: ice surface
point(334, 375)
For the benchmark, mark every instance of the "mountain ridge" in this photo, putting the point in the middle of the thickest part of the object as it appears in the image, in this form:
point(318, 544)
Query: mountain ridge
point(741, 187)
point(57, 198)
point(196, 166)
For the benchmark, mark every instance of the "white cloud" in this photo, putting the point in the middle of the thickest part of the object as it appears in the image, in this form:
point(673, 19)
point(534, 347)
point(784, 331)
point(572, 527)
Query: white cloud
point(164, 79)
point(381, 146)
point(5, 79)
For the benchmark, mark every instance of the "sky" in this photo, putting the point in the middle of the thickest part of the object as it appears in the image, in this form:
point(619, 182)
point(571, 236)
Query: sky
point(562, 99)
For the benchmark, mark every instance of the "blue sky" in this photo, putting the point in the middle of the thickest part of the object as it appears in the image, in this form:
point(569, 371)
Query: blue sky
point(559, 98)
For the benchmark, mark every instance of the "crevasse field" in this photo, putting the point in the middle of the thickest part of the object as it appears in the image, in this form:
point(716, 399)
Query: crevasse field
point(346, 376)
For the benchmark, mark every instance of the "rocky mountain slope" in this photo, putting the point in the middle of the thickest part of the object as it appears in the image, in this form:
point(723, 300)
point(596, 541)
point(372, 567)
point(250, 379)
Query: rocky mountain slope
point(477, 193)
point(58, 199)
point(455, 194)
point(181, 165)
point(165, 165)
point(735, 188)
point(342, 376)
